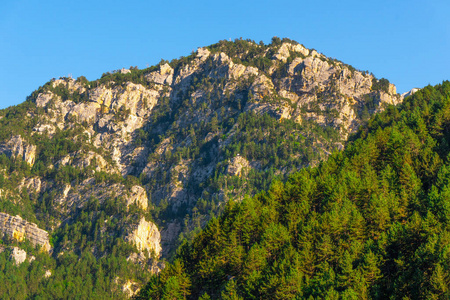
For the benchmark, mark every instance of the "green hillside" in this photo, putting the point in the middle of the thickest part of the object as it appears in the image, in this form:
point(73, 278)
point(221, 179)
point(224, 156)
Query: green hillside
point(372, 222)
point(101, 181)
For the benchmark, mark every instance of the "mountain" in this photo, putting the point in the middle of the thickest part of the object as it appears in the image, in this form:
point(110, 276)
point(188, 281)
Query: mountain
point(102, 180)
point(372, 222)
point(409, 93)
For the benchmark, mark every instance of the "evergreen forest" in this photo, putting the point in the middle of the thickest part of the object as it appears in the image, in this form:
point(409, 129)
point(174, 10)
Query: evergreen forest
point(370, 222)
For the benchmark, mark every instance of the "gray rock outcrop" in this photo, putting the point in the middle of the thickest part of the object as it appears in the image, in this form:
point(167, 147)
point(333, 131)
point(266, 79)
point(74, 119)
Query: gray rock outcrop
point(19, 229)
point(237, 165)
point(410, 92)
point(18, 255)
point(138, 196)
point(145, 235)
point(18, 147)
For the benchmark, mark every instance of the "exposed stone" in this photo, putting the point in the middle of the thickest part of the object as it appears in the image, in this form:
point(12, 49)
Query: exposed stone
point(91, 159)
point(130, 288)
point(17, 147)
point(146, 237)
point(124, 71)
point(69, 83)
point(43, 98)
point(237, 165)
point(330, 86)
point(117, 111)
point(18, 255)
point(237, 71)
point(163, 76)
point(304, 89)
point(20, 229)
point(388, 99)
point(43, 128)
point(262, 86)
point(33, 185)
point(283, 51)
point(138, 196)
point(409, 93)
point(203, 53)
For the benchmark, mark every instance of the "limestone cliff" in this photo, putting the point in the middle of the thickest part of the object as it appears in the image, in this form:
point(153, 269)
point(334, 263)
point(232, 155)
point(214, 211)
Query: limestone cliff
point(18, 147)
point(145, 235)
point(19, 229)
point(237, 165)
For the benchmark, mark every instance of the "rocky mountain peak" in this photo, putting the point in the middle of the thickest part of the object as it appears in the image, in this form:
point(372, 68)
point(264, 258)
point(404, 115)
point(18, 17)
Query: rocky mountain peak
point(409, 93)
point(146, 157)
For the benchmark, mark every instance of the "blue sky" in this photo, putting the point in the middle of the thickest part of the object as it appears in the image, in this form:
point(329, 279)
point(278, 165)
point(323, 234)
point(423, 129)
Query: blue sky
point(406, 42)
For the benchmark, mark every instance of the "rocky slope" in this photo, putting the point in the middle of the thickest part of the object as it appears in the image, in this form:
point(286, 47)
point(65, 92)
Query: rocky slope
point(147, 156)
point(370, 222)
point(19, 229)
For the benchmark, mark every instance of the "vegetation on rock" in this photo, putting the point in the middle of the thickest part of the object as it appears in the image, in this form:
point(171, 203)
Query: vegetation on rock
point(87, 161)
point(369, 223)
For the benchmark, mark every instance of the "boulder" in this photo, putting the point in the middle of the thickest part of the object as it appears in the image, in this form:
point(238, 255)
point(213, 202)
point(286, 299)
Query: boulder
point(18, 255)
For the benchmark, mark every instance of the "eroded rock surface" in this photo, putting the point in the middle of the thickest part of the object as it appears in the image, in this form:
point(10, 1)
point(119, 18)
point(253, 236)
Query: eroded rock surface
point(18, 255)
point(145, 235)
point(18, 147)
point(19, 229)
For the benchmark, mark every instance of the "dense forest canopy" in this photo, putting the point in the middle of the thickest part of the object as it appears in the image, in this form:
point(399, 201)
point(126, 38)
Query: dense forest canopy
point(372, 222)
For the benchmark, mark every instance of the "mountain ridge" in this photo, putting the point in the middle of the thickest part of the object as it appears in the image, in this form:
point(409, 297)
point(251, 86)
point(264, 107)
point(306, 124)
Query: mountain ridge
point(169, 145)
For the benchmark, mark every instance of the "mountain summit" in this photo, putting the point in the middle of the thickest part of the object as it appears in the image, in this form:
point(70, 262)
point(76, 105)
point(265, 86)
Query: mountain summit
point(130, 165)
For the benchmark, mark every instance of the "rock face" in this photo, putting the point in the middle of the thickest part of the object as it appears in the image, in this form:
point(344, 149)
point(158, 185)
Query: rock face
point(17, 147)
point(146, 237)
point(163, 76)
point(306, 84)
point(112, 113)
point(139, 197)
point(18, 255)
point(237, 165)
point(409, 93)
point(130, 288)
point(19, 229)
point(320, 85)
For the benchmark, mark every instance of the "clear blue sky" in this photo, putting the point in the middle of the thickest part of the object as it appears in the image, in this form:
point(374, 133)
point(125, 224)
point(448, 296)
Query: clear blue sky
point(406, 42)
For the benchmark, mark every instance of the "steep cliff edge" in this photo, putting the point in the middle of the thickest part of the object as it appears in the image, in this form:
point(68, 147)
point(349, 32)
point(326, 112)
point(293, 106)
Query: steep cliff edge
point(17, 147)
point(19, 230)
point(146, 237)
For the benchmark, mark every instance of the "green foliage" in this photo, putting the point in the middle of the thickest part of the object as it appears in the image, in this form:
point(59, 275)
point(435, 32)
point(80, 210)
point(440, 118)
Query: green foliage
point(62, 91)
point(72, 276)
point(13, 123)
point(274, 144)
point(352, 227)
point(91, 257)
point(249, 53)
point(370, 222)
point(117, 78)
point(380, 85)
